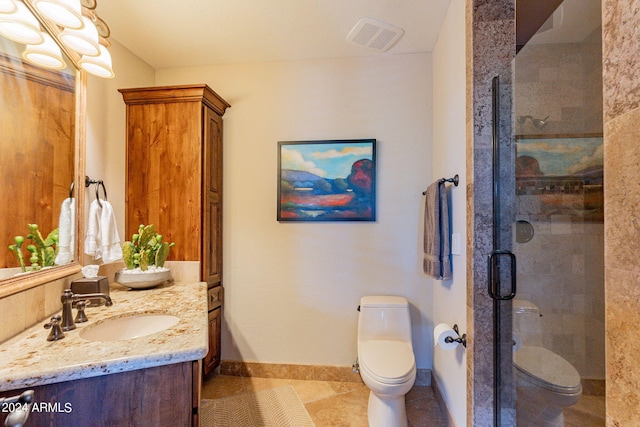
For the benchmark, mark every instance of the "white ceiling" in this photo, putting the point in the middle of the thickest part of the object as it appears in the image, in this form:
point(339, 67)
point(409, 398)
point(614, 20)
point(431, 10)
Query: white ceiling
point(188, 33)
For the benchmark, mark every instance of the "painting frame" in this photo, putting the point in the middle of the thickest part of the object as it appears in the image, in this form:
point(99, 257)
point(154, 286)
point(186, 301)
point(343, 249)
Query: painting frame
point(327, 180)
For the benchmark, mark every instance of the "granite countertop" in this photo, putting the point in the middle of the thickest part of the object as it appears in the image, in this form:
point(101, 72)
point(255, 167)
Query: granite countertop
point(28, 359)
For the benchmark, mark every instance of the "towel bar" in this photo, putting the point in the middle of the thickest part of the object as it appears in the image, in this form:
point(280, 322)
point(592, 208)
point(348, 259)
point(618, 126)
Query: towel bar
point(99, 183)
point(455, 180)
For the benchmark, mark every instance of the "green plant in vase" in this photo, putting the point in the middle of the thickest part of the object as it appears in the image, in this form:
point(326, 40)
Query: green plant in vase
point(146, 249)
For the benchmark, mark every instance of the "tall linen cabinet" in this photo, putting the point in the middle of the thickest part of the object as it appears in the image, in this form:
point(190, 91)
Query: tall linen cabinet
point(174, 180)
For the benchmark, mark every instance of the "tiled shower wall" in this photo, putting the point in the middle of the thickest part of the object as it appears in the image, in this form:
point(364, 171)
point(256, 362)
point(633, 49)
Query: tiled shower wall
point(564, 82)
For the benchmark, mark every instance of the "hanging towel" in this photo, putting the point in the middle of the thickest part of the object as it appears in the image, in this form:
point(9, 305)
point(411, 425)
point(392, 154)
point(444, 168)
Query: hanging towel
point(102, 240)
point(91, 240)
point(109, 238)
point(66, 232)
point(437, 240)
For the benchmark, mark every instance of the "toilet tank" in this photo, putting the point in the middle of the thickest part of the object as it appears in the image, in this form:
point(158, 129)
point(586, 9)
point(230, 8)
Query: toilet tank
point(385, 318)
point(526, 322)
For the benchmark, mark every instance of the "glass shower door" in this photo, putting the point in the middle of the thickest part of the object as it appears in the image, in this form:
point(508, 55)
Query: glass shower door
point(548, 215)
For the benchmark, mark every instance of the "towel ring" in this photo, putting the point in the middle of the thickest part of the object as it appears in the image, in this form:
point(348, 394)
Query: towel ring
point(99, 185)
point(73, 184)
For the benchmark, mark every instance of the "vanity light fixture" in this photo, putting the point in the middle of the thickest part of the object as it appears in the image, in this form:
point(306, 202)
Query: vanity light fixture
point(47, 54)
point(100, 65)
point(66, 13)
point(86, 47)
point(21, 26)
point(84, 41)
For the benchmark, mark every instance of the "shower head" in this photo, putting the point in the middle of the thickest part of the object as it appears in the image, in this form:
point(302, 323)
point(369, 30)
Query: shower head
point(537, 123)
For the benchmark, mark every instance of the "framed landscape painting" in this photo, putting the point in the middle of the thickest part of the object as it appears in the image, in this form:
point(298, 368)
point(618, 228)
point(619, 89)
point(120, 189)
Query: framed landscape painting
point(331, 180)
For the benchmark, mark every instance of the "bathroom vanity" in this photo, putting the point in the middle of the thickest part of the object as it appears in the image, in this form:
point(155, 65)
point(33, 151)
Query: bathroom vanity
point(151, 380)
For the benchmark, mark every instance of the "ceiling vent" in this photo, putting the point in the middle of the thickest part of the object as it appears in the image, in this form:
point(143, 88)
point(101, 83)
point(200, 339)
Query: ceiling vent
point(374, 34)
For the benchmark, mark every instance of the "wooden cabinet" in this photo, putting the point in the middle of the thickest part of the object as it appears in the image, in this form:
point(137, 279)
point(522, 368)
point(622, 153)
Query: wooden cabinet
point(160, 396)
point(174, 175)
point(214, 303)
point(212, 359)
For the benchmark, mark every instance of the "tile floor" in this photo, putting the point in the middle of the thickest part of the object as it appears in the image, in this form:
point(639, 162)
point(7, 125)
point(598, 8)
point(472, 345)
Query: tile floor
point(588, 412)
point(331, 403)
point(344, 404)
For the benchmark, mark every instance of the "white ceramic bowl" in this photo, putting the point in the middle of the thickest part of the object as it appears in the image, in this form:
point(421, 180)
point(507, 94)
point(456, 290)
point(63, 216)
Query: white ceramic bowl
point(143, 280)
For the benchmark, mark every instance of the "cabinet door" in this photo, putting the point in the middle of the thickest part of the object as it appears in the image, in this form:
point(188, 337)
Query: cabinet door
point(163, 178)
point(212, 359)
point(160, 396)
point(212, 221)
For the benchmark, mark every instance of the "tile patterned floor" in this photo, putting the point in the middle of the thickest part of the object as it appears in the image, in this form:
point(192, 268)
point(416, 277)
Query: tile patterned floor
point(344, 404)
point(331, 403)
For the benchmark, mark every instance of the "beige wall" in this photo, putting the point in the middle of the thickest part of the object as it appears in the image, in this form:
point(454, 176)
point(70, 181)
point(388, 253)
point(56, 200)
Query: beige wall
point(106, 115)
point(450, 297)
point(291, 289)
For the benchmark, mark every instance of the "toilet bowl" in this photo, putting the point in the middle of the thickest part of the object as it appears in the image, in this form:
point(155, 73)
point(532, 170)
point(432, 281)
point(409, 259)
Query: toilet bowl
point(546, 383)
point(385, 357)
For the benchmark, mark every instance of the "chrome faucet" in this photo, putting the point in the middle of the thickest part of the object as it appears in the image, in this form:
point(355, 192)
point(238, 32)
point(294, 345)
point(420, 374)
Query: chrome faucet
point(68, 297)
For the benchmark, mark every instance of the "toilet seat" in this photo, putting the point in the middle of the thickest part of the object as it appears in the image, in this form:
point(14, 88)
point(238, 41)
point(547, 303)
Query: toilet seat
point(547, 370)
point(386, 361)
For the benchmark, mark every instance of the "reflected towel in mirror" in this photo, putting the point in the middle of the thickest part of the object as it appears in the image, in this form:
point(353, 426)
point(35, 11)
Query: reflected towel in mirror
point(66, 232)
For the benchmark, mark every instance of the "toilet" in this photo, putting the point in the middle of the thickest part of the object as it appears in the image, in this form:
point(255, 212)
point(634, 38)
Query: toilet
point(546, 383)
point(385, 357)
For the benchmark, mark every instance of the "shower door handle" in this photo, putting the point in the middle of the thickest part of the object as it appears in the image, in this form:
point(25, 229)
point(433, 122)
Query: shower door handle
point(494, 275)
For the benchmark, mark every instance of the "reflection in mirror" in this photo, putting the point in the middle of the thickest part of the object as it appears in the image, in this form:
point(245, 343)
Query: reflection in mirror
point(37, 153)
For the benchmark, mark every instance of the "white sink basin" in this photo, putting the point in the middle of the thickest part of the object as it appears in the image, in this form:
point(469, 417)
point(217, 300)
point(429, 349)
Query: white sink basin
point(128, 327)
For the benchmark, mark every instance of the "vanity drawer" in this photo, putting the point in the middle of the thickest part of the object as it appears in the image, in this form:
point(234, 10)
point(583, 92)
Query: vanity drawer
point(214, 297)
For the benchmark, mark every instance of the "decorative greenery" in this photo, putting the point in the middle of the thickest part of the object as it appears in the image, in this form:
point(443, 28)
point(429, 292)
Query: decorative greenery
point(43, 251)
point(145, 249)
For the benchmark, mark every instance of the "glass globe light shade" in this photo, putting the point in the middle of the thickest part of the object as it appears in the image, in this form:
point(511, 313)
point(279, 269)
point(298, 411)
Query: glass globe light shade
point(45, 54)
point(21, 26)
point(83, 41)
point(100, 65)
point(7, 6)
point(66, 13)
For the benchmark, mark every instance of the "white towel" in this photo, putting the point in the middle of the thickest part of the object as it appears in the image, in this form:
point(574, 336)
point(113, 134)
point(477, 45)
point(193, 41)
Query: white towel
point(66, 232)
point(91, 239)
point(109, 238)
point(102, 240)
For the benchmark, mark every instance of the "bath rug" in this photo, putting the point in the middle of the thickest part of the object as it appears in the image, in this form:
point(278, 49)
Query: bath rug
point(276, 407)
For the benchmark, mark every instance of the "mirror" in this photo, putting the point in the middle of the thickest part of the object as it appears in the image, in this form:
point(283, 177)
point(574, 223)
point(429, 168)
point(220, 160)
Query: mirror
point(39, 162)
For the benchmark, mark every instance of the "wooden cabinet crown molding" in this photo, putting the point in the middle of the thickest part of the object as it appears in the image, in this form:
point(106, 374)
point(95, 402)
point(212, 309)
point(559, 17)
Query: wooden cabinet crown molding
point(181, 93)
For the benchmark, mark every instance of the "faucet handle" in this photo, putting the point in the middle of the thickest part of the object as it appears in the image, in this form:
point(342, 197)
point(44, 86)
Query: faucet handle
point(56, 331)
point(81, 317)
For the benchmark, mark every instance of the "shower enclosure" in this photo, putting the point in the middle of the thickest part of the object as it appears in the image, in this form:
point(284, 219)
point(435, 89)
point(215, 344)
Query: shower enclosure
point(548, 202)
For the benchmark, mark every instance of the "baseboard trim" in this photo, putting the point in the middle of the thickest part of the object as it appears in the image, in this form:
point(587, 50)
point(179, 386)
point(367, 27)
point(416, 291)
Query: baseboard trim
point(239, 368)
point(444, 409)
